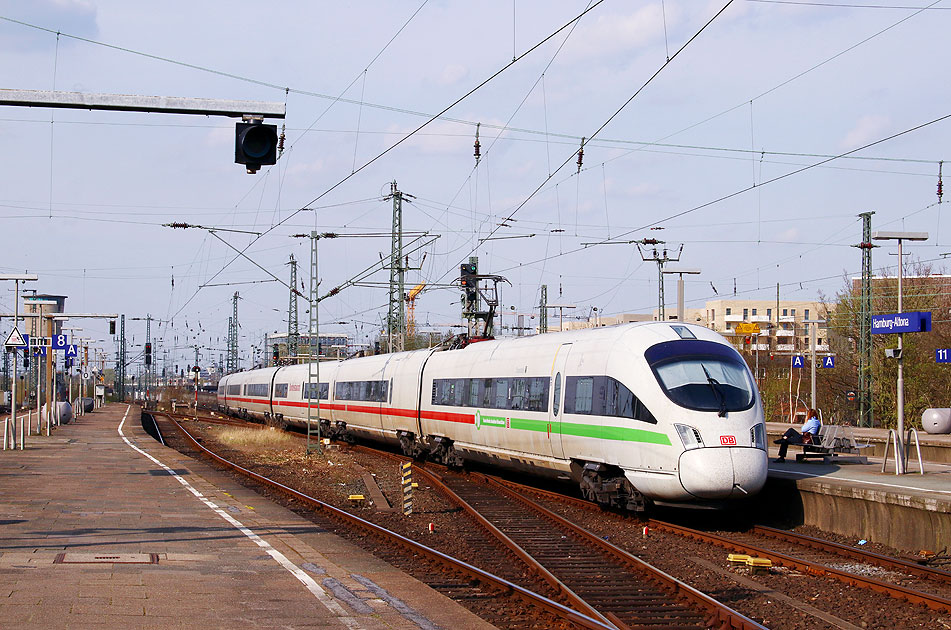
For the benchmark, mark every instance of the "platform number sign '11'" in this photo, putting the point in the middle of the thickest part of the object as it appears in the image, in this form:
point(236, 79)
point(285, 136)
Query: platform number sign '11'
point(942, 355)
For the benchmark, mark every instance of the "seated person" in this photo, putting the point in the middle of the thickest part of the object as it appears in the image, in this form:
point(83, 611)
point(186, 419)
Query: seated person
point(810, 431)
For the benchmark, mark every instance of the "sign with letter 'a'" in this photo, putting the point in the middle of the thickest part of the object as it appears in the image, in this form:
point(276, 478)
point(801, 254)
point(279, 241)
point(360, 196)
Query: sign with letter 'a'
point(828, 362)
point(798, 362)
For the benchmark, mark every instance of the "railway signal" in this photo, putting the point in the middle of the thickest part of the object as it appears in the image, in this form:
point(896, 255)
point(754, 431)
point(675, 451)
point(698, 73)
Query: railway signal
point(255, 144)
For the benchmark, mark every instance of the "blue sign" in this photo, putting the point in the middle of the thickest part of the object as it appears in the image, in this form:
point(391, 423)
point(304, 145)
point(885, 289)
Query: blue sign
point(71, 351)
point(39, 351)
point(59, 342)
point(942, 355)
point(915, 321)
point(26, 342)
point(798, 362)
point(828, 362)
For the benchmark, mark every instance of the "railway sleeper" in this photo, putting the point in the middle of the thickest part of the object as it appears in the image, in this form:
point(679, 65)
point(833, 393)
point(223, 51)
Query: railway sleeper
point(606, 484)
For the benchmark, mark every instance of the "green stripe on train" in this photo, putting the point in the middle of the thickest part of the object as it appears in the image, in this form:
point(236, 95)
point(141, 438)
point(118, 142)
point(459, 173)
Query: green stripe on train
point(620, 434)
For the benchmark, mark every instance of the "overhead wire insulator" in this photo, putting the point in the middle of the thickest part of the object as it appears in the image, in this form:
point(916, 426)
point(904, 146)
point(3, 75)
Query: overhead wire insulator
point(280, 141)
point(477, 152)
point(580, 155)
point(940, 184)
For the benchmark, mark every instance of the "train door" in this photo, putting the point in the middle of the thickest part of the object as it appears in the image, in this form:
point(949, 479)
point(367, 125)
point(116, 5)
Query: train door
point(556, 408)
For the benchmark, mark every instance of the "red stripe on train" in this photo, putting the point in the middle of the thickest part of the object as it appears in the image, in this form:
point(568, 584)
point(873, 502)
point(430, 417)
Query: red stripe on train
point(444, 416)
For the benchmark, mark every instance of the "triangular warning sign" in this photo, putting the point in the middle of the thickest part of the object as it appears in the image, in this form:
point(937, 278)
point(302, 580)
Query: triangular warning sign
point(15, 339)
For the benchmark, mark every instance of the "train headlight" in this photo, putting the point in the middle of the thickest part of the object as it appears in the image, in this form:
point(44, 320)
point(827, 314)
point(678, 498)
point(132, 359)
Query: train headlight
point(689, 436)
point(758, 436)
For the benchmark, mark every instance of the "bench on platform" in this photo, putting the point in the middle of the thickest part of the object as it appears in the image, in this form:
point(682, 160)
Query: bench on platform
point(835, 443)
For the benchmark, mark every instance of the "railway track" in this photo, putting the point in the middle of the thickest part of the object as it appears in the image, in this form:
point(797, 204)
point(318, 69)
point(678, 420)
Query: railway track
point(441, 571)
point(802, 553)
point(807, 554)
point(601, 581)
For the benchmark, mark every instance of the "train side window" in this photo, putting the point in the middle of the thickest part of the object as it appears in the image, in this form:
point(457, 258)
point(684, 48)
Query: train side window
point(280, 390)
point(538, 394)
point(622, 403)
point(501, 390)
point(475, 395)
point(583, 391)
point(486, 392)
point(459, 392)
point(556, 399)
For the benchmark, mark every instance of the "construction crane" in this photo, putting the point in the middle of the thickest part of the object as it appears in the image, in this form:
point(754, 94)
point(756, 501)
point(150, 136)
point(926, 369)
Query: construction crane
point(411, 310)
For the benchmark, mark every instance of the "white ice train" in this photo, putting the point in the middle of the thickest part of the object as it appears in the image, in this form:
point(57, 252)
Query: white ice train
point(637, 413)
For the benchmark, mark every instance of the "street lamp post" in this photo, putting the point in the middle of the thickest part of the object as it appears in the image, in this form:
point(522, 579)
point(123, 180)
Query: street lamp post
point(900, 236)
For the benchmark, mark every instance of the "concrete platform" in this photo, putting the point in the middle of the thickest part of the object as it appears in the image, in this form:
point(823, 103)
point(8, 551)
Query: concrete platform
point(911, 512)
point(97, 530)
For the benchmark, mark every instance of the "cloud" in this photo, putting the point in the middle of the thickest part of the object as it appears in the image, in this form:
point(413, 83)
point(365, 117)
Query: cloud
point(790, 235)
point(76, 17)
point(868, 128)
point(452, 74)
point(610, 35)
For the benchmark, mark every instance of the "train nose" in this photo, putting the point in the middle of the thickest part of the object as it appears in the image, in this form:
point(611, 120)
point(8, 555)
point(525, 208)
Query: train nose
point(720, 473)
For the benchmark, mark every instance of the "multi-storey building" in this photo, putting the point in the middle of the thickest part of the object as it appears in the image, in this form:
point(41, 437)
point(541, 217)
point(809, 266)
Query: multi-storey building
point(783, 327)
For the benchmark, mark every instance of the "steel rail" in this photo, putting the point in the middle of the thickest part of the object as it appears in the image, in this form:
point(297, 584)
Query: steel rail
point(934, 602)
point(533, 565)
point(827, 546)
point(724, 615)
point(533, 598)
point(870, 557)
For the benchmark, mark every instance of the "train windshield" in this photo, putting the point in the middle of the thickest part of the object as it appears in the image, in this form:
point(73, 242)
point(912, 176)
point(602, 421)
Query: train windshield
point(702, 375)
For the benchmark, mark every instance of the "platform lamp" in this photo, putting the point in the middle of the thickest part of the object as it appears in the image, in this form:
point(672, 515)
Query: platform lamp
point(680, 287)
point(900, 236)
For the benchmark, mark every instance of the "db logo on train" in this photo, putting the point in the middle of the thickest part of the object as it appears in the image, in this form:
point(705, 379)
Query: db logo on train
point(728, 440)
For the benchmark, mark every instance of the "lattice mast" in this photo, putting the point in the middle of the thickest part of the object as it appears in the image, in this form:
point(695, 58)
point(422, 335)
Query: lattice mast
point(233, 336)
point(543, 310)
point(396, 314)
point(293, 332)
point(120, 368)
point(866, 418)
point(313, 362)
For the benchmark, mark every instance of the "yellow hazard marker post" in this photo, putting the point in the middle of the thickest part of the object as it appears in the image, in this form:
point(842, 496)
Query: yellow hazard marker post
point(407, 480)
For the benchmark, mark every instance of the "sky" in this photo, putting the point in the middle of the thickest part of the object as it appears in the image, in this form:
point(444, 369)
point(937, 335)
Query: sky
point(740, 134)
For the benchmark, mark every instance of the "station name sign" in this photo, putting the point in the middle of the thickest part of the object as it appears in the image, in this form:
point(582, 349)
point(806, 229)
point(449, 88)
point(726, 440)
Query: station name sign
point(914, 321)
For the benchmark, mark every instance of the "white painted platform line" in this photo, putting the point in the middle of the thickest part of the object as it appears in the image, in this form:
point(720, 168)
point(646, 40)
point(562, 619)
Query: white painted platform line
point(308, 582)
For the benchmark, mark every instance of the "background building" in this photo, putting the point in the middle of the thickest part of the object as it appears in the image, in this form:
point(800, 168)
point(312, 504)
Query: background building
point(330, 345)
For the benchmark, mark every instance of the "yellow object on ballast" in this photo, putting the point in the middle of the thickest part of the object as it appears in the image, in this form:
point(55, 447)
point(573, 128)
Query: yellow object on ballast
point(415, 485)
point(759, 563)
point(356, 498)
point(738, 558)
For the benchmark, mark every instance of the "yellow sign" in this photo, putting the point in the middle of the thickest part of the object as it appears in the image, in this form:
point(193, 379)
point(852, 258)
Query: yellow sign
point(747, 329)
